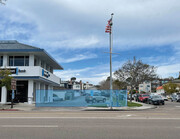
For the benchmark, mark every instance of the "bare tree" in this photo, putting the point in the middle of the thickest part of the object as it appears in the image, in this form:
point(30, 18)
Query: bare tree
point(2, 1)
point(105, 84)
point(135, 72)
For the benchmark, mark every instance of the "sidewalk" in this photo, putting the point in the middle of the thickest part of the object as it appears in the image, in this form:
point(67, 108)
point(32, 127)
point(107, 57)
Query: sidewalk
point(31, 107)
point(17, 107)
point(143, 107)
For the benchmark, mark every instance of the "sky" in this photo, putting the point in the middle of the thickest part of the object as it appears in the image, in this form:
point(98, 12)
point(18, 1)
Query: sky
point(73, 32)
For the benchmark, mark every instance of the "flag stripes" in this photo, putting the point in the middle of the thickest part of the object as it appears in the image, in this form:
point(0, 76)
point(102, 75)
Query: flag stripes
point(108, 26)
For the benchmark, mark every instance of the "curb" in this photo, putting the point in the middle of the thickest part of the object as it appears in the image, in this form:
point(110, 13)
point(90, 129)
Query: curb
point(33, 108)
point(10, 110)
point(119, 109)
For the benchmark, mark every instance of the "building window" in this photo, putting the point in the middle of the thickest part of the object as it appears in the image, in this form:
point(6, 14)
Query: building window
point(42, 64)
point(18, 60)
point(51, 69)
point(11, 61)
point(1, 60)
point(27, 61)
point(35, 62)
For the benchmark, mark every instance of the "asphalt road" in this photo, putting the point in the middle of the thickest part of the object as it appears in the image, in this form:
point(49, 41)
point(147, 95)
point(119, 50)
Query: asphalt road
point(160, 123)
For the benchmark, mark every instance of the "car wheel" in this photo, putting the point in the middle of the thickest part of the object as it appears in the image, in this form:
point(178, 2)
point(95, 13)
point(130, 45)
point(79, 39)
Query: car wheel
point(162, 103)
point(94, 101)
point(104, 100)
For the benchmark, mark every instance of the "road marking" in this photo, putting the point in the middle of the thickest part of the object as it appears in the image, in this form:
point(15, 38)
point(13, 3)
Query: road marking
point(29, 126)
point(177, 106)
point(134, 118)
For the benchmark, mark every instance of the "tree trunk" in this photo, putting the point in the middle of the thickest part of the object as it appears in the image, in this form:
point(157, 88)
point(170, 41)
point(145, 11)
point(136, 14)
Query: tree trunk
point(131, 95)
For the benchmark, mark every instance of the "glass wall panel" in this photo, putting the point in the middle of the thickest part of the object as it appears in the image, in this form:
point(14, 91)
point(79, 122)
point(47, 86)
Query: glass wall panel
point(27, 61)
point(19, 61)
point(11, 62)
point(1, 60)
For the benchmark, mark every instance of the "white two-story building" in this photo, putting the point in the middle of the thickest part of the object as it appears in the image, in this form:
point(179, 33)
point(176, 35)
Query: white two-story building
point(32, 67)
point(145, 87)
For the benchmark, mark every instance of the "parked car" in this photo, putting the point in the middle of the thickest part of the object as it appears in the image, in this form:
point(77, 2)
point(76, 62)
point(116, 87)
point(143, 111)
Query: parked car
point(143, 97)
point(175, 98)
point(164, 97)
point(56, 98)
point(156, 99)
point(96, 97)
point(105, 94)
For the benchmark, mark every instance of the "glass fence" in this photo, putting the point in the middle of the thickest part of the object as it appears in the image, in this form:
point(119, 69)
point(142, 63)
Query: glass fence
point(81, 98)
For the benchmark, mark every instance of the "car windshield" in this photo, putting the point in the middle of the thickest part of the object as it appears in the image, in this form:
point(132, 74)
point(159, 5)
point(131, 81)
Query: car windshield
point(145, 95)
point(156, 96)
point(95, 94)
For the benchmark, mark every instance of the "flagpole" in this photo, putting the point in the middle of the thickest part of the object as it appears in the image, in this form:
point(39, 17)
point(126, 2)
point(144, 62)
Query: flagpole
point(111, 44)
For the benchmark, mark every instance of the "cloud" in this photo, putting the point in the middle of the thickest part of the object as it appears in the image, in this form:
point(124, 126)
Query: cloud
point(67, 74)
point(62, 27)
point(169, 70)
point(72, 24)
point(93, 74)
point(77, 57)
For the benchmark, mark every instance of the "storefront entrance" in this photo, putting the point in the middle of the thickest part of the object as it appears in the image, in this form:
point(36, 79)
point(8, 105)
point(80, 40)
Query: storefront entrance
point(21, 93)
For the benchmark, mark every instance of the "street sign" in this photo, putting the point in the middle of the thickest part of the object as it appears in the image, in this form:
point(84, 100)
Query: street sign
point(13, 84)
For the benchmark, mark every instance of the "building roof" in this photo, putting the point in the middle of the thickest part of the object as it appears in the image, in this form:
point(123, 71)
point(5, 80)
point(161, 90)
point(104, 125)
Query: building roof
point(13, 44)
point(160, 87)
point(7, 46)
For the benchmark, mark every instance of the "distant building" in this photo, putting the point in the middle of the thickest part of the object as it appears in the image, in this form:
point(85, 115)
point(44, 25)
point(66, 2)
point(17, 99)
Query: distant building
point(159, 82)
point(145, 87)
point(76, 85)
point(160, 90)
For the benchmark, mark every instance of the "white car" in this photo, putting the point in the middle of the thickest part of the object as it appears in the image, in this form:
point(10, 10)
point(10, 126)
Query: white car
point(164, 97)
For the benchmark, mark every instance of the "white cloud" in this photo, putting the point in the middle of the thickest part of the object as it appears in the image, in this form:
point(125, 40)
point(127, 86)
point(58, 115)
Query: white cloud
point(67, 74)
point(91, 74)
point(169, 70)
point(75, 58)
point(81, 23)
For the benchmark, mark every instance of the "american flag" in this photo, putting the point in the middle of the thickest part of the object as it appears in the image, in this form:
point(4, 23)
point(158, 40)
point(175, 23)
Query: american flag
point(108, 26)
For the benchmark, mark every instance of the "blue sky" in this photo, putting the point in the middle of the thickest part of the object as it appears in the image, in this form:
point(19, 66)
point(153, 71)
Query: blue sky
point(73, 32)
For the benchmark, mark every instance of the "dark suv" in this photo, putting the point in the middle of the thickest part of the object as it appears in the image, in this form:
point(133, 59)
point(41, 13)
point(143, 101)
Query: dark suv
point(156, 99)
point(175, 98)
point(96, 97)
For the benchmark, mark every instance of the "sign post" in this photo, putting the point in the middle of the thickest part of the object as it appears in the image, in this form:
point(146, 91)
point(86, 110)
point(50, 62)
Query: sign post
point(13, 87)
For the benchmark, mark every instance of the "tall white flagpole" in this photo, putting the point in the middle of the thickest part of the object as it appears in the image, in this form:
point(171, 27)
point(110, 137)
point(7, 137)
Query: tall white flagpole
point(111, 44)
